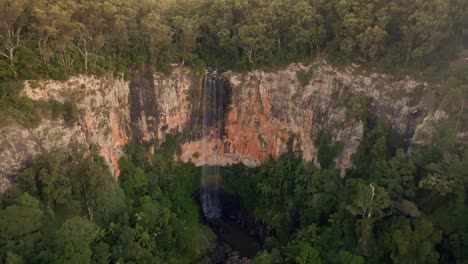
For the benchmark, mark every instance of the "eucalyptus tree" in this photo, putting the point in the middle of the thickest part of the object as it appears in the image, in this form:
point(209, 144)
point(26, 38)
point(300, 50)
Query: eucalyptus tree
point(53, 27)
point(13, 20)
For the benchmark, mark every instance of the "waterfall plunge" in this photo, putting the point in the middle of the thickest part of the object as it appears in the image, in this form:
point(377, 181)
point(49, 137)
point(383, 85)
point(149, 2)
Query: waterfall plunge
point(216, 94)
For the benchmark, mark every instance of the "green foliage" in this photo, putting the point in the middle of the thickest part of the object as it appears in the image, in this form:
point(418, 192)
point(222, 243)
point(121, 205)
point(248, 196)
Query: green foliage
point(347, 257)
point(413, 241)
point(67, 208)
point(20, 224)
point(377, 213)
point(73, 241)
point(327, 149)
point(13, 106)
point(29, 214)
point(357, 108)
point(53, 39)
point(160, 199)
point(263, 258)
point(304, 76)
point(302, 253)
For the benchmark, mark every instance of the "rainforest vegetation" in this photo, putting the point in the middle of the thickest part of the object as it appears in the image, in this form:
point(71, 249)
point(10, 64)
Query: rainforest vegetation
point(67, 208)
point(54, 39)
point(393, 206)
point(390, 208)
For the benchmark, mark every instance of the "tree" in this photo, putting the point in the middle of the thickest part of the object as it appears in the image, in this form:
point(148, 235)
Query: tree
point(369, 203)
point(54, 188)
point(101, 253)
point(424, 26)
point(262, 257)
point(53, 26)
point(101, 196)
point(406, 170)
point(120, 24)
point(307, 27)
point(248, 40)
point(255, 39)
point(308, 234)
point(134, 181)
point(355, 16)
point(447, 177)
point(13, 19)
point(91, 25)
point(23, 218)
point(73, 241)
point(302, 253)
point(414, 241)
point(53, 183)
point(19, 226)
point(346, 257)
point(156, 34)
point(185, 34)
point(327, 149)
point(372, 42)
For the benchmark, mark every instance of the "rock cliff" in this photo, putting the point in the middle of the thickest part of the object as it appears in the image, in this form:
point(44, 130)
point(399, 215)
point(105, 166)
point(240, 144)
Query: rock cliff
point(268, 111)
point(269, 108)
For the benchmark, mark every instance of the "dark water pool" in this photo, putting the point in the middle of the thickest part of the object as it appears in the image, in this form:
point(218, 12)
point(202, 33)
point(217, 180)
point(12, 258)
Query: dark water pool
point(238, 238)
point(238, 234)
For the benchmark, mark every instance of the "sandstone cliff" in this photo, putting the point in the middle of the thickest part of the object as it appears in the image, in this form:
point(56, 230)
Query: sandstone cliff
point(270, 107)
point(267, 110)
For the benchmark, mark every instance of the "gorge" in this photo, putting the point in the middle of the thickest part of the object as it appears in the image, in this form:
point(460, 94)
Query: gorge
point(233, 131)
point(262, 153)
point(267, 110)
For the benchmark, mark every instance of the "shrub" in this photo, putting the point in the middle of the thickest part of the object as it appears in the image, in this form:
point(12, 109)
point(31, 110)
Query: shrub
point(304, 76)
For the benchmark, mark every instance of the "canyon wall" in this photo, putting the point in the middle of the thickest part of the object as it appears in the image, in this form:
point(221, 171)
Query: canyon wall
point(270, 108)
point(268, 112)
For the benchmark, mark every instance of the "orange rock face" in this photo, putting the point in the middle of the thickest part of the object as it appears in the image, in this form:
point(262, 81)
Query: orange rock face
point(267, 110)
point(254, 132)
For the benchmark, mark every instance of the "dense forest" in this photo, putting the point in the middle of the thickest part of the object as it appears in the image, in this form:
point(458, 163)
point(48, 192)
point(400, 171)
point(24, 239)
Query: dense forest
point(390, 208)
point(53, 39)
point(67, 208)
point(393, 206)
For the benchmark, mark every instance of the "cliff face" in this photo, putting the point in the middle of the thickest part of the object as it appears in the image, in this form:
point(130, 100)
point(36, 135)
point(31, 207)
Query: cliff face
point(110, 111)
point(267, 110)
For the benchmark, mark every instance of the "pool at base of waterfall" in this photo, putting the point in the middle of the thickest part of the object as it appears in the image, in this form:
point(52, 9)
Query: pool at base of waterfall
point(234, 240)
point(239, 235)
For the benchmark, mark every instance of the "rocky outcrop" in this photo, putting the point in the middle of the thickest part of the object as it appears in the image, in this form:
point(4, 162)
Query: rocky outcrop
point(160, 104)
point(111, 112)
point(101, 105)
point(271, 108)
point(269, 112)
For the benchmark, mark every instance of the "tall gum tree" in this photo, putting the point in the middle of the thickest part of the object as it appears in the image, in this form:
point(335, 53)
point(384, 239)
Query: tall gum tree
point(13, 20)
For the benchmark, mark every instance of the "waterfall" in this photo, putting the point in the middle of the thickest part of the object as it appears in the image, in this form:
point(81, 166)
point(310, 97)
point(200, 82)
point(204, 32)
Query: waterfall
point(215, 98)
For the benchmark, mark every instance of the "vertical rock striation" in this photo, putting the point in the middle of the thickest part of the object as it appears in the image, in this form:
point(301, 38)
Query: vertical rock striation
point(267, 112)
point(271, 109)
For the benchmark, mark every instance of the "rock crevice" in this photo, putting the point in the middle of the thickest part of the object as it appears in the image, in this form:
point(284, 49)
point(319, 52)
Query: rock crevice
point(266, 110)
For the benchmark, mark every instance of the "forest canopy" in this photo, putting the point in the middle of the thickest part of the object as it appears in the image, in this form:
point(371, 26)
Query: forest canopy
point(52, 38)
point(391, 207)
